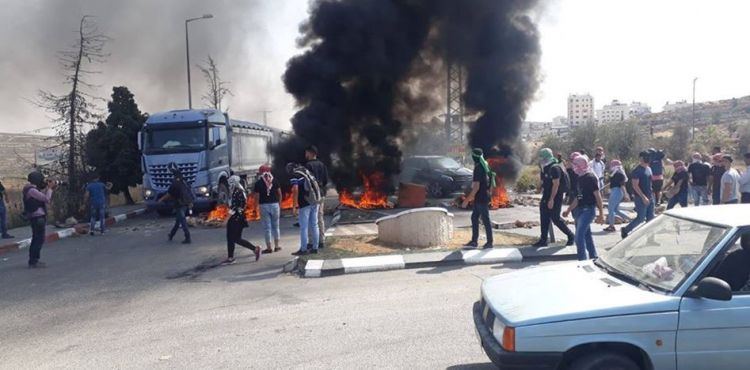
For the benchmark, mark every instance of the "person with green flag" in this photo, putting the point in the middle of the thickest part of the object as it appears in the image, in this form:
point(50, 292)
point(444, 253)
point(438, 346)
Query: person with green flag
point(481, 187)
point(555, 183)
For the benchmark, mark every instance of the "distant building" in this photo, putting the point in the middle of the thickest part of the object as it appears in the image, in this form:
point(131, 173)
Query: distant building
point(677, 105)
point(580, 109)
point(618, 112)
point(538, 130)
point(638, 109)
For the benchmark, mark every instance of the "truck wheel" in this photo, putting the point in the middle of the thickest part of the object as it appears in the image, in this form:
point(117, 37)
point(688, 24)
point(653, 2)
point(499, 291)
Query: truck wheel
point(222, 197)
point(604, 361)
point(435, 190)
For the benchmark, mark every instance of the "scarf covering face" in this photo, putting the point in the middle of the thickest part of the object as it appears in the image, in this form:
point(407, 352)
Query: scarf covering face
point(574, 155)
point(267, 176)
point(581, 165)
point(546, 157)
point(236, 184)
point(697, 157)
point(616, 166)
point(478, 155)
point(717, 158)
point(679, 166)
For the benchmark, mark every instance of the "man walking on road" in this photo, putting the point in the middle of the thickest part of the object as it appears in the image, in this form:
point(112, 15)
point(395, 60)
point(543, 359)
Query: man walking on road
point(480, 195)
point(598, 166)
point(180, 193)
point(699, 174)
point(4, 214)
point(714, 183)
point(745, 182)
point(644, 198)
point(729, 182)
point(96, 196)
point(37, 195)
point(319, 170)
point(306, 198)
point(554, 184)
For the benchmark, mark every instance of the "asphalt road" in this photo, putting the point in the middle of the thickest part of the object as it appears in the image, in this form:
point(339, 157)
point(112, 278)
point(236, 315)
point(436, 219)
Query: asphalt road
point(129, 299)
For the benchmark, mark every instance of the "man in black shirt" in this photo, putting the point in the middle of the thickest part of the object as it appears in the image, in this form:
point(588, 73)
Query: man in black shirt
point(480, 194)
point(320, 172)
point(699, 174)
point(552, 197)
point(180, 193)
point(714, 183)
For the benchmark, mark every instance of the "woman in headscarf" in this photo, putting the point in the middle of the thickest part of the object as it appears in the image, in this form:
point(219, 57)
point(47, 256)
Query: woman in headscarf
point(237, 221)
point(588, 200)
point(617, 193)
point(573, 178)
point(677, 187)
point(267, 193)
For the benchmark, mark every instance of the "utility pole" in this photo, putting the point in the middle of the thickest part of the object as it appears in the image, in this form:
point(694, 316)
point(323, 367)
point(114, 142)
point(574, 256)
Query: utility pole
point(454, 117)
point(265, 117)
point(693, 131)
point(187, 54)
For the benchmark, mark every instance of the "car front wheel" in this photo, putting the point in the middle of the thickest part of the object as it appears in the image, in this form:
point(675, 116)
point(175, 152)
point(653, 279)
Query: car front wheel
point(435, 190)
point(604, 361)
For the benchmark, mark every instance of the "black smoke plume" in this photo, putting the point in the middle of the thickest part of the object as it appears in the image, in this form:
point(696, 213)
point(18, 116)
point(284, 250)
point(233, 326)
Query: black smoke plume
point(370, 66)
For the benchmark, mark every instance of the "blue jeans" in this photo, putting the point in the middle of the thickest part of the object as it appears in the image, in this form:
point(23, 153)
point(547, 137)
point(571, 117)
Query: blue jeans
point(584, 239)
point(644, 213)
point(308, 223)
point(269, 216)
point(97, 214)
point(180, 221)
point(613, 205)
point(3, 219)
point(681, 198)
point(699, 194)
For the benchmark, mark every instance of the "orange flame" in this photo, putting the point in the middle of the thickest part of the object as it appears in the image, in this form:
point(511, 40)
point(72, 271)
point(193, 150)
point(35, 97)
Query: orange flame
point(500, 197)
point(221, 212)
point(252, 211)
point(372, 197)
point(286, 201)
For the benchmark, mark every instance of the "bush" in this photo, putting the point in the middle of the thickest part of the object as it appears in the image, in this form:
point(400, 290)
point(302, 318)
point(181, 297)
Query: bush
point(528, 180)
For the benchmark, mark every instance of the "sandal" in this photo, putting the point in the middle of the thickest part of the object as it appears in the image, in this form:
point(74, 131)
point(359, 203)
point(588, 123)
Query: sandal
point(277, 249)
point(610, 229)
point(267, 251)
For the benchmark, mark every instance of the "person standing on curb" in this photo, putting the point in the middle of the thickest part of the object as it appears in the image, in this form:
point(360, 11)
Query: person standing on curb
point(679, 181)
point(554, 183)
point(237, 220)
point(617, 193)
point(37, 195)
point(644, 196)
point(4, 214)
point(729, 182)
point(482, 183)
point(182, 196)
point(95, 196)
point(714, 184)
point(744, 181)
point(267, 193)
point(699, 174)
point(319, 170)
point(306, 198)
point(589, 199)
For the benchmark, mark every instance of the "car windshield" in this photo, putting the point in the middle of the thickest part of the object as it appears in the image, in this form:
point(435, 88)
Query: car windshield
point(443, 163)
point(175, 139)
point(662, 253)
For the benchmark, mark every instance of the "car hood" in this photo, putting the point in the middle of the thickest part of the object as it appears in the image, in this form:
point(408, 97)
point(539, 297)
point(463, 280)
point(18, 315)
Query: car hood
point(463, 171)
point(568, 291)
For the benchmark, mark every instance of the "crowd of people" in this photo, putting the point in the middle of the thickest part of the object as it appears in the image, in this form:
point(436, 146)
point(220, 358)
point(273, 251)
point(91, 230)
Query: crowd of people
point(581, 183)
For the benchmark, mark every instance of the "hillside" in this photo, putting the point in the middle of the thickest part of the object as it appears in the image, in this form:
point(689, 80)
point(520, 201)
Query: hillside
point(17, 153)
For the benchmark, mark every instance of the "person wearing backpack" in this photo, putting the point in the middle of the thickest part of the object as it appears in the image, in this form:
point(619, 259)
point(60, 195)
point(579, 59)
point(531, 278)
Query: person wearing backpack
point(481, 188)
point(37, 195)
point(180, 193)
point(306, 200)
point(319, 170)
point(555, 183)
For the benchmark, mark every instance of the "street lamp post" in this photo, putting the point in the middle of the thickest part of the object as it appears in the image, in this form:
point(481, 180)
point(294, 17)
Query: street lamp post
point(187, 54)
point(693, 131)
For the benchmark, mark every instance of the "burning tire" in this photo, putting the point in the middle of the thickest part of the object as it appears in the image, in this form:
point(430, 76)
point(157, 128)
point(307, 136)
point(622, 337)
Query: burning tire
point(222, 195)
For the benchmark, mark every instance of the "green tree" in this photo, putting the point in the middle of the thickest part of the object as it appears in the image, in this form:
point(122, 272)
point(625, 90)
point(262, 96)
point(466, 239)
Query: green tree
point(679, 143)
point(112, 148)
point(743, 135)
point(623, 140)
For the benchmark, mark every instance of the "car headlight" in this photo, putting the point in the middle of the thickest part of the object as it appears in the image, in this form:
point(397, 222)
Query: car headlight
point(505, 335)
point(148, 193)
point(202, 190)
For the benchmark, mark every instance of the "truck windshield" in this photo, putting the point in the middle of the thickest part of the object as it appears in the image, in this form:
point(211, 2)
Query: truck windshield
point(175, 139)
point(661, 254)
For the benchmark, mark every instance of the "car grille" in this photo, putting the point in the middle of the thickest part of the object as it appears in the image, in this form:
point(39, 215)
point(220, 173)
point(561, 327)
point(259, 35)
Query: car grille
point(487, 315)
point(161, 177)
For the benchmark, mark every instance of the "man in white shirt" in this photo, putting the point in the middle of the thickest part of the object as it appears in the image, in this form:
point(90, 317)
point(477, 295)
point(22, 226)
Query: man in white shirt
point(598, 166)
point(744, 182)
point(729, 182)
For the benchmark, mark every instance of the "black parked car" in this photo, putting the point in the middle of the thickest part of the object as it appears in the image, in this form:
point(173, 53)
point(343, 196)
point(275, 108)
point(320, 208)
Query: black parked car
point(441, 175)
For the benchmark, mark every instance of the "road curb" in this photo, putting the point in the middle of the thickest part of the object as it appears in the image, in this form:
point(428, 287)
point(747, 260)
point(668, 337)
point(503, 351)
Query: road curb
point(343, 266)
point(67, 233)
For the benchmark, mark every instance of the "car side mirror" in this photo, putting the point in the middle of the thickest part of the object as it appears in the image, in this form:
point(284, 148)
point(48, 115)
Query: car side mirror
point(712, 288)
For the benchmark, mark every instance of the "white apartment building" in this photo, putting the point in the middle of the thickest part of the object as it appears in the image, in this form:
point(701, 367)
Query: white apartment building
point(676, 105)
point(638, 109)
point(580, 109)
point(618, 112)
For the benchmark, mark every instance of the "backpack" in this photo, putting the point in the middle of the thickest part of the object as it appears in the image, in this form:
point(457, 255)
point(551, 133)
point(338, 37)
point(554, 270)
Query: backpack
point(312, 189)
point(564, 180)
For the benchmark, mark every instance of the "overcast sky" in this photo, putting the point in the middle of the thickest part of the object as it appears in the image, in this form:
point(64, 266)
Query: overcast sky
point(631, 50)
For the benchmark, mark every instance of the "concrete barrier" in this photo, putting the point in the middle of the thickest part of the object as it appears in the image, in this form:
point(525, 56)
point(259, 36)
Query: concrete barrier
point(420, 227)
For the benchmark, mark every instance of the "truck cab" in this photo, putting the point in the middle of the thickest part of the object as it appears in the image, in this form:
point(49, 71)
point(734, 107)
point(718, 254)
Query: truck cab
point(206, 146)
